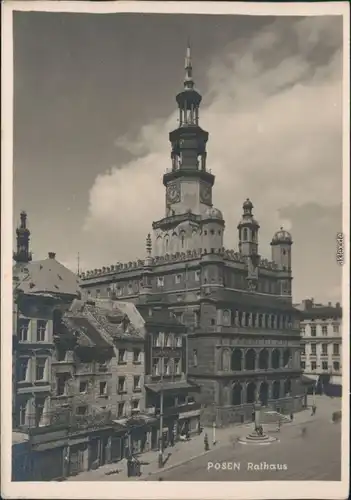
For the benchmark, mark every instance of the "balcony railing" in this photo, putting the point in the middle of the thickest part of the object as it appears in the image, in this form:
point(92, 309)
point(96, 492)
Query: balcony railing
point(67, 420)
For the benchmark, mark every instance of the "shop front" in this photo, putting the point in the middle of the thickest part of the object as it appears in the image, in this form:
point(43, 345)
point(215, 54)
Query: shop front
point(189, 423)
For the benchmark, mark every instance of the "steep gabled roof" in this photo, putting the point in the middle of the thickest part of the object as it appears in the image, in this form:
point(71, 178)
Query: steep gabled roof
point(104, 320)
point(46, 276)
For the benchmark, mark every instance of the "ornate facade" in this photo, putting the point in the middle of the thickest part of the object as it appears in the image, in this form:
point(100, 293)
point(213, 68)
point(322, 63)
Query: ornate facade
point(243, 340)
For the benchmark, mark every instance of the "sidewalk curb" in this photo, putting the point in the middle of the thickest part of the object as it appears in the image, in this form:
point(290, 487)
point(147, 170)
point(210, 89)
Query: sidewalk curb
point(174, 466)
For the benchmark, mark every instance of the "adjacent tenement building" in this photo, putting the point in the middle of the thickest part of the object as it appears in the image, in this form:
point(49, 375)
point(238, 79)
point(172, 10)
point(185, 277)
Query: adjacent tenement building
point(243, 341)
point(321, 337)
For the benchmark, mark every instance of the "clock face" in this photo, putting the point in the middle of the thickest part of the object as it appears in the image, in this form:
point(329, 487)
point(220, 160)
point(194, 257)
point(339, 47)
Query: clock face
point(205, 194)
point(173, 193)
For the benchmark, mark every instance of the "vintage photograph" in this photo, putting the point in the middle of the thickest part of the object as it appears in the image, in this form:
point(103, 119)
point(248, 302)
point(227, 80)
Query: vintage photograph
point(179, 244)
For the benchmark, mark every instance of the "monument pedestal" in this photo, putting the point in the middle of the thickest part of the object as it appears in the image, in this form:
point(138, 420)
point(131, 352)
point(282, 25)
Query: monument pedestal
point(256, 437)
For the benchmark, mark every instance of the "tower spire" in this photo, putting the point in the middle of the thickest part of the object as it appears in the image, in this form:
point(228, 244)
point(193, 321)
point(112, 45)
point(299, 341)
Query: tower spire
point(188, 80)
point(22, 253)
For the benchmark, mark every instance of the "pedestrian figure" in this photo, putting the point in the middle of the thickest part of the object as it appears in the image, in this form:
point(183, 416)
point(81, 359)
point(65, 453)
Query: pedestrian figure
point(303, 431)
point(206, 443)
point(313, 410)
point(291, 416)
point(278, 428)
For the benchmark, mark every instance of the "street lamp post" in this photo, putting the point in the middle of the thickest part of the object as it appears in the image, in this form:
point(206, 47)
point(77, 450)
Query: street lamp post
point(160, 449)
point(160, 452)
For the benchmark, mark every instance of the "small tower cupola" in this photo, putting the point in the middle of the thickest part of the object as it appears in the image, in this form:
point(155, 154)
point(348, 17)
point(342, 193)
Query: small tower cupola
point(281, 249)
point(188, 99)
point(248, 231)
point(22, 254)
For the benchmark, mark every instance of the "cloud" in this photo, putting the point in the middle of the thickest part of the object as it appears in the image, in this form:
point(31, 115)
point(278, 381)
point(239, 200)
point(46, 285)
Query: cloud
point(273, 107)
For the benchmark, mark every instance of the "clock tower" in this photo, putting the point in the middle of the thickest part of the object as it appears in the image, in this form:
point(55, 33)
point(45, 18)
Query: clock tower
point(188, 183)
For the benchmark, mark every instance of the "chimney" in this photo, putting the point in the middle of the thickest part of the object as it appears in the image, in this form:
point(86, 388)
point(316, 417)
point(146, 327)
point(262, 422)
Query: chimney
point(329, 304)
point(52, 255)
point(337, 305)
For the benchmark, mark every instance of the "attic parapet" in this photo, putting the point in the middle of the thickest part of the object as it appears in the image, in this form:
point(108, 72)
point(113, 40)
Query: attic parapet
point(226, 254)
point(155, 261)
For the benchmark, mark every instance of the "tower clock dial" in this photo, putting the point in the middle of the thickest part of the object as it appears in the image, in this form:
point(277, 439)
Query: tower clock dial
point(205, 194)
point(173, 193)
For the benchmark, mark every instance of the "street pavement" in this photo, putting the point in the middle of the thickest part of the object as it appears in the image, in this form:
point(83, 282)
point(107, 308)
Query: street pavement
point(188, 461)
point(315, 456)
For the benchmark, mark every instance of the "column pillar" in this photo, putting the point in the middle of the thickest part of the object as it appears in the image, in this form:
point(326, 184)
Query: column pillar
point(250, 319)
point(270, 358)
point(236, 318)
point(108, 449)
point(256, 359)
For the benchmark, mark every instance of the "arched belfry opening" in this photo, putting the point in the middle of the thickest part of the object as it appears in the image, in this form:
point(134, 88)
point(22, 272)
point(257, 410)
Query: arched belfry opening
point(250, 359)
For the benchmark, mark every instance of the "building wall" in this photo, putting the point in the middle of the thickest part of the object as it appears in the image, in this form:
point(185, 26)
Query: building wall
point(34, 350)
point(322, 348)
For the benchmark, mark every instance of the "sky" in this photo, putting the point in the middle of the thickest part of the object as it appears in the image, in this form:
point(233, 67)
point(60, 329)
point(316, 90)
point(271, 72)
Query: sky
point(94, 101)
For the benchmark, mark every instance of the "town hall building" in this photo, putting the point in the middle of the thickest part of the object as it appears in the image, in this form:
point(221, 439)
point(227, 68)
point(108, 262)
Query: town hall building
point(243, 338)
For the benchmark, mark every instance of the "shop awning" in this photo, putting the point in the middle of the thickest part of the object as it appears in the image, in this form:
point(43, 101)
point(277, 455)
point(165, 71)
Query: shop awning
point(307, 381)
point(171, 386)
point(189, 414)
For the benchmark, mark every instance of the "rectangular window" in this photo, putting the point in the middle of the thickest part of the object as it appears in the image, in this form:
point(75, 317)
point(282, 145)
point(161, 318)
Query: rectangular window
point(83, 387)
point(120, 410)
point(303, 365)
point(108, 290)
point(122, 356)
point(336, 366)
point(313, 331)
point(135, 404)
point(324, 349)
point(60, 385)
point(313, 365)
point(102, 367)
point(178, 279)
point(160, 340)
point(313, 349)
point(178, 341)
point(136, 385)
point(336, 349)
point(166, 366)
point(136, 356)
point(324, 365)
point(303, 351)
point(168, 340)
point(336, 328)
point(82, 410)
point(22, 371)
point(160, 281)
point(41, 329)
point(324, 330)
point(303, 330)
point(197, 275)
point(195, 357)
point(155, 366)
point(22, 414)
point(23, 326)
point(39, 410)
point(103, 389)
point(177, 366)
point(121, 387)
point(98, 294)
point(40, 368)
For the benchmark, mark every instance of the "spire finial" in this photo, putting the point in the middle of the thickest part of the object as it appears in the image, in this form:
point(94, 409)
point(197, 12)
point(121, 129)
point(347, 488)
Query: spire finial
point(22, 253)
point(188, 80)
point(148, 244)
